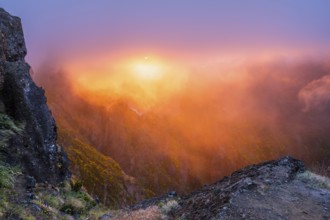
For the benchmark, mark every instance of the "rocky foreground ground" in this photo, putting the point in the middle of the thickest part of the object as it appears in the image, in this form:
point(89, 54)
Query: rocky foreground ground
point(281, 189)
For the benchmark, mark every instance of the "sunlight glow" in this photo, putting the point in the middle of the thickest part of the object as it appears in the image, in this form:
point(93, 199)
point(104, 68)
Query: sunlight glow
point(145, 80)
point(147, 69)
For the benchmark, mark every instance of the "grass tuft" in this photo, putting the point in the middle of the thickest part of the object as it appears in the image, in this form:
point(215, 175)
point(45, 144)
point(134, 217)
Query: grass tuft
point(8, 176)
point(315, 179)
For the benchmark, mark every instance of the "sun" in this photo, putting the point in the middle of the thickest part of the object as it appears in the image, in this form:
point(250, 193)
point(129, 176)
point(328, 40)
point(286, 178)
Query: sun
point(148, 69)
point(143, 80)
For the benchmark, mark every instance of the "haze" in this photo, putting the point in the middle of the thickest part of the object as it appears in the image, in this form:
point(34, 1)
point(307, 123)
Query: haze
point(181, 93)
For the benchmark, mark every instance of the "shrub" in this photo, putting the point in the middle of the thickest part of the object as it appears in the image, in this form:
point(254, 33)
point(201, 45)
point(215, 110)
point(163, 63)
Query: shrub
point(8, 129)
point(73, 206)
point(54, 201)
point(6, 123)
point(76, 186)
point(7, 176)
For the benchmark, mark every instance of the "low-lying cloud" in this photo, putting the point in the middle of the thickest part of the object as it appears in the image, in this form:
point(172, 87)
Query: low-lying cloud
point(316, 94)
point(218, 120)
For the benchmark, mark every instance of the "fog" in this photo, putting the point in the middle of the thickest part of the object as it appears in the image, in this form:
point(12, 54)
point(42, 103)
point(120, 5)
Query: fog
point(195, 123)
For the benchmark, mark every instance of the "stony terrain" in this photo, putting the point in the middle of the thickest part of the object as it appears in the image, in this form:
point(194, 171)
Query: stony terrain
point(274, 190)
point(280, 189)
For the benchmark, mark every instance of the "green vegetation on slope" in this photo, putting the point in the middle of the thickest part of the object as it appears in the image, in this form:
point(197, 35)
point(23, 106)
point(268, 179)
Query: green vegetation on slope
point(65, 201)
point(8, 128)
point(8, 174)
point(45, 201)
point(101, 175)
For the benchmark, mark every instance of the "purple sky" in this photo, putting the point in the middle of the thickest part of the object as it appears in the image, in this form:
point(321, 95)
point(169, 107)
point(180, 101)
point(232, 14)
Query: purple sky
point(75, 27)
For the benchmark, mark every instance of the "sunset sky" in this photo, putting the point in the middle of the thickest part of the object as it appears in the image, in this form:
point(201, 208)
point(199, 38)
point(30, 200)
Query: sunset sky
point(202, 30)
point(194, 81)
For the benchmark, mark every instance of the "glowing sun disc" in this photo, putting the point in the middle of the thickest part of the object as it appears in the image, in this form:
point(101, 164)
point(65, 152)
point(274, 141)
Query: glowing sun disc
point(147, 70)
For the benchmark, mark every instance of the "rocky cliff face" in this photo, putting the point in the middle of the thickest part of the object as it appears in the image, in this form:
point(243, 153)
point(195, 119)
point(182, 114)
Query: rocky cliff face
point(34, 149)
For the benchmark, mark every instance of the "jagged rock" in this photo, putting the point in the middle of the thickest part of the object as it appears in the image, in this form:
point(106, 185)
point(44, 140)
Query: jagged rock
point(35, 149)
point(212, 201)
point(30, 182)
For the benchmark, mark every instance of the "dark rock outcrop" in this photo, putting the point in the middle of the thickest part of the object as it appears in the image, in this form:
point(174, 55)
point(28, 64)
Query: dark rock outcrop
point(35, 149)
point(281, 189)
point(212, 201)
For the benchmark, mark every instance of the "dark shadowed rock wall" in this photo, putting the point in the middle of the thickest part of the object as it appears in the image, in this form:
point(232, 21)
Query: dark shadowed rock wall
point(35, 149)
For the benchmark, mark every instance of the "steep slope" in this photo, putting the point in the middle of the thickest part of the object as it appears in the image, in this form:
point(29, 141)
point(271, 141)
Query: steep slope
point(102, 176)
point(99, 174)
point(125, 137)
point(33, 168)
point(35, 149)
point(34, 176)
